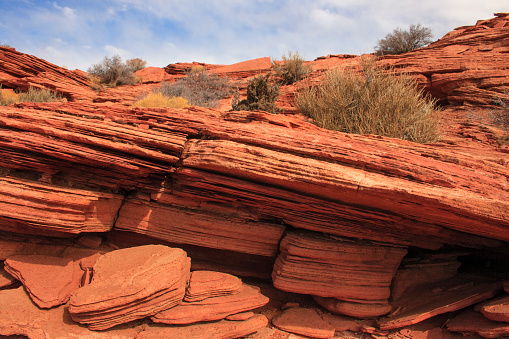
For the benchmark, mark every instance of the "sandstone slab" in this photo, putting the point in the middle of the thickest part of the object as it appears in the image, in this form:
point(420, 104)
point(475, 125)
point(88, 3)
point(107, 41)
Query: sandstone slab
point(49, 280)
point(497, 309)
point(339, 268)
point(448, 296)
point(20, 316)
point(131, 284)
point(304, 321)
point(475, 322)
point(223, 329)
point(207, 284)
point(214, 308)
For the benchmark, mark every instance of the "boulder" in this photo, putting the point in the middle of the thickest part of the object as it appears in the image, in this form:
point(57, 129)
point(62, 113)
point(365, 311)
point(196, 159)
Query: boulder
point(130, 284)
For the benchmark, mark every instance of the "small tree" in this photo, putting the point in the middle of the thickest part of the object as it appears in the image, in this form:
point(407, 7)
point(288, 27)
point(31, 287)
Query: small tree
point(114, 72)
point(400, 41)
point(136, 64)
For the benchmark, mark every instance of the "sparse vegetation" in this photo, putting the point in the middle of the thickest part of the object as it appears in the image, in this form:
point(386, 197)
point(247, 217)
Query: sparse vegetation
point(160, 100)
point(377, 101)
point(501, 114)
point(199, 88)
point(261, 95)
point(136, 64)
point(4, 45)
point(33, 95)
point(113, 72)
point(401, 41)
point(291, 69)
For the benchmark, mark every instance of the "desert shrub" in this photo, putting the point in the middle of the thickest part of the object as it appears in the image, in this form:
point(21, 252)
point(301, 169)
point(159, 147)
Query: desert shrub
point(199, 88)
point(136, 64)
point(401, 41)
point(500, 115)
point(113, 72)
point(291, 69)
point(376, 101)
point(160, 100)
point(4, 45)
point(261, 96)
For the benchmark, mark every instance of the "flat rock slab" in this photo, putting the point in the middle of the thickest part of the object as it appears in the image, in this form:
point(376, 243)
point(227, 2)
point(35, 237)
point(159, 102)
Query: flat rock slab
point(304, 321)
point(354, 309)
point(223, 329)
point(215, 308)
point(448, 296)
point(342, 269)
point(49, 280)
point(206, 284)
point(20, 316)
point(497, 309)
point(131, 284)
point(471, 321)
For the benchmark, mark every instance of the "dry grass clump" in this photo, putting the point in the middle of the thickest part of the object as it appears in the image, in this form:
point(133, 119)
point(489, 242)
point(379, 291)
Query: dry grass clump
point(8, 97)
point(261, 96)
point(160, 100)
point(377, 101)
point(199, 88)
point(33, 95)
point(291, 70)
point(501, 115)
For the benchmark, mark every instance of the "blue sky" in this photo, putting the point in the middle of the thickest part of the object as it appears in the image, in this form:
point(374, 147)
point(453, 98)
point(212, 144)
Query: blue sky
point(77, 33)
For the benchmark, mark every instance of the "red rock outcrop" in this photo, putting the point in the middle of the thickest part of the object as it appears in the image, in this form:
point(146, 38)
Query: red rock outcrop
point(473, 322)
point(304, 321)
point(207, 284)
point(20, 71)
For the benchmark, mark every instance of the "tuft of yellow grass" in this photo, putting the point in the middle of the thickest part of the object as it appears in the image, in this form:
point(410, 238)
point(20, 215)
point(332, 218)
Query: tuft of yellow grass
point(160, 100)
point(8, 97)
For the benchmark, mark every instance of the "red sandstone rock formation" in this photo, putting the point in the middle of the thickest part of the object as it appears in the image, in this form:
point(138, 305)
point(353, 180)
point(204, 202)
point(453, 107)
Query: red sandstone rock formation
point(227, 185)
point(20, 71)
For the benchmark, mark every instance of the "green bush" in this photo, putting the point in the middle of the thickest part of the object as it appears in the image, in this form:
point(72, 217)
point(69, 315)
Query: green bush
point(114, 72)
point(400, 41)
point(199, 88)
point(261, 96)
point(291, 70)
point(376, 101)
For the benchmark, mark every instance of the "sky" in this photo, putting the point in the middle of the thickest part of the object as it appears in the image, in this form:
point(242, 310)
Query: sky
point(77, 33)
